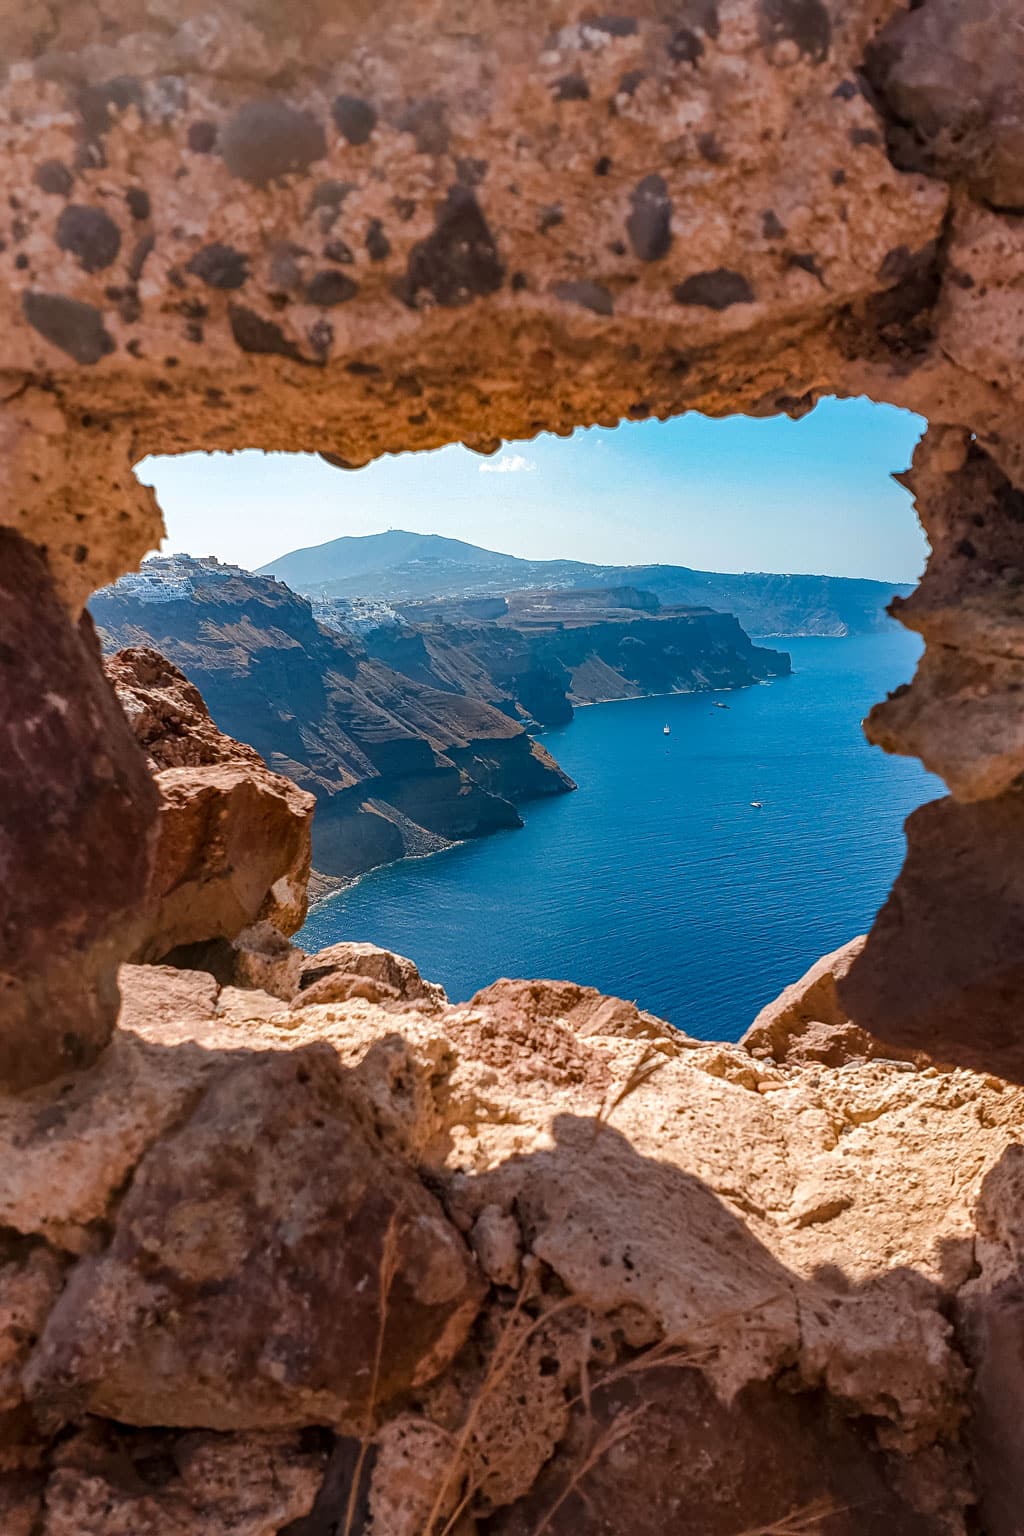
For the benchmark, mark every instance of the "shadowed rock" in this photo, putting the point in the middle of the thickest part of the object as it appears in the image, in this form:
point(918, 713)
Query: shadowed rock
point(808, 1022)
point(77, 812)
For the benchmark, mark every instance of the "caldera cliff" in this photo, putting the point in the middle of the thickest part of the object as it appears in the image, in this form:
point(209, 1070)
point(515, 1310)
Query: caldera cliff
point(541, 653)
point(397, 767)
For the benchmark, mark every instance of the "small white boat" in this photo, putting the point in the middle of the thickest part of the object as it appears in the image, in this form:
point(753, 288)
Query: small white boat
point(757, 804)
point(719, 705)
point(666, 732)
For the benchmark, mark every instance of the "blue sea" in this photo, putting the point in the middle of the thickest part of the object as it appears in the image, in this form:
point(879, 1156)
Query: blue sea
point(658, 881)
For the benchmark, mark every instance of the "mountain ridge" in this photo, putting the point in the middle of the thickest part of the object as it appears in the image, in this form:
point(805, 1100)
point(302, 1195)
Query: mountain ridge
point(399, 566)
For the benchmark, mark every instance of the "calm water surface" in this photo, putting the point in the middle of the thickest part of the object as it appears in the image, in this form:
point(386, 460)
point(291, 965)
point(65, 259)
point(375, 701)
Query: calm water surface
point(658, 881)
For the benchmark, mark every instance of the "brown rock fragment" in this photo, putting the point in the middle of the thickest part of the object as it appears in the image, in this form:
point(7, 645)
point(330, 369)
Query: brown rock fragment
point(31, 1276)
point(951, 76)
point(111, 1481)
point(663, 1453)
point(256, 1256)
point(808, 1022)
point(942, 971)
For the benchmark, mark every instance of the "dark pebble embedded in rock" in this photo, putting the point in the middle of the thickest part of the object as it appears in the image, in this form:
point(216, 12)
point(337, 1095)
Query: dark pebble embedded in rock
point(138, 202)
point(806, 23)
point(649, 225)
point(266, 140)
point(354, 118)
point(377, 243)
point(330, 194)
point(220, 266)
point(90, 235)
point(74, 327)
point(458, 260)
point(613, 26)
point(253, 333)
point(202, 137)
point(719, 289)
point(54, 177)
point(572, 88)
point(337, 250)
point(588, 295)
point(328, 288)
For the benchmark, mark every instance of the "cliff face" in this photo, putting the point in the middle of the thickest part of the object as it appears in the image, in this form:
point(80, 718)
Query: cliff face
point(397, 767)
point(544, 657)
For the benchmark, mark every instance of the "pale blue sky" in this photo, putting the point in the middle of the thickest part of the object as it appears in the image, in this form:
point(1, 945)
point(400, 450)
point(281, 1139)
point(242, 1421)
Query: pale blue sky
point(732, 495)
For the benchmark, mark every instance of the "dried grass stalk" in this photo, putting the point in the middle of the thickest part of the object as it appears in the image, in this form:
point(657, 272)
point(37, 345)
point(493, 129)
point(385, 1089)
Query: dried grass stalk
point(386, 1271)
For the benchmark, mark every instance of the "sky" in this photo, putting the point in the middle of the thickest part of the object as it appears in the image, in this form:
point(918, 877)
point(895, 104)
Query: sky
point(731, 495)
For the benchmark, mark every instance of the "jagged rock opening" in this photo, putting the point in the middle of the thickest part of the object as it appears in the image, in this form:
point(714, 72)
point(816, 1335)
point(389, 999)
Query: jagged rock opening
point(358, 229)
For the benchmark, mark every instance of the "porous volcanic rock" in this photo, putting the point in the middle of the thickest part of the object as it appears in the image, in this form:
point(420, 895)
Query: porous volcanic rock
point(234, 839)
point(272, 1266)
point(110, 1480)
point(77, 813)
point(942, 967)
point(808, 1022)
point(732, 208)
point(364, 970)
point(828, 1259)
point(701, 1252)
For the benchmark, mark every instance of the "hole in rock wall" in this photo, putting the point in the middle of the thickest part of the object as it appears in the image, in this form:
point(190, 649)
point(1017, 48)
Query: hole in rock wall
point(686, 621)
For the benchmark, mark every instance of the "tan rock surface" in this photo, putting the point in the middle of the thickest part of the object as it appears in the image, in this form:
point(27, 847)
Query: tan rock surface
point(769, 1223)
point(234, 839)
point(334, 975)
point(809, 1022)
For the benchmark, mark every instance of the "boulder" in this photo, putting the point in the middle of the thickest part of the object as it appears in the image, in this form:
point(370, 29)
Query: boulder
point(77, 813)
point(661, 1451)
point(808, 1022)
point(234, 838)
point(108, 1480)
point(272, 1266)
point(585, 1010)
point(343, 971)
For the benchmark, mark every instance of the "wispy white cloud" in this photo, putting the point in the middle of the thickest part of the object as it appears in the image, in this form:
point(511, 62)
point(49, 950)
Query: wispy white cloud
point(508, 464)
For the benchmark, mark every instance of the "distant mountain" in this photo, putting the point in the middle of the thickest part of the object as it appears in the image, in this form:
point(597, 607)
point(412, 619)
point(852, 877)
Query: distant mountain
point(376, 553)
point(401, 567)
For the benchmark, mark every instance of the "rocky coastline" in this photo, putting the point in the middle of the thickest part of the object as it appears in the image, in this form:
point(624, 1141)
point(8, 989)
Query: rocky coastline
point(397, 768)
point(411, 737)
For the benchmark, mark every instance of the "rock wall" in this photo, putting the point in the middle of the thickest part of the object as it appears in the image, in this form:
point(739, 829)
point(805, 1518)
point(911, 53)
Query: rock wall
point(385, 1267)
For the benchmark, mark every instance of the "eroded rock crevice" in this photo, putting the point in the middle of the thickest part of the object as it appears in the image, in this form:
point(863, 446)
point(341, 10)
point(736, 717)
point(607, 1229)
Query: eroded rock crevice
point(554, 1265)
